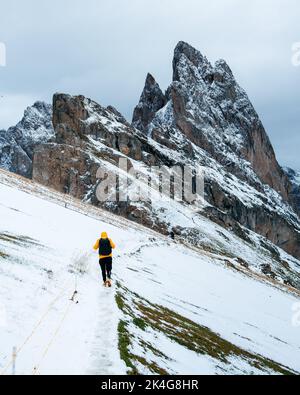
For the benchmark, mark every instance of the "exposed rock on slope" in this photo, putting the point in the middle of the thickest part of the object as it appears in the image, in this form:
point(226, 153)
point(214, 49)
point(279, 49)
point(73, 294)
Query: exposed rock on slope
point(17, 143)
point(294, 177)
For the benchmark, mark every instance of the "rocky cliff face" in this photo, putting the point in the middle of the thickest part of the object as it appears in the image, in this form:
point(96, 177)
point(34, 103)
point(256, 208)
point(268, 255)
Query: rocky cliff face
point(206, 105)
point(90, 137)
point(17, 143)
point(209, 118)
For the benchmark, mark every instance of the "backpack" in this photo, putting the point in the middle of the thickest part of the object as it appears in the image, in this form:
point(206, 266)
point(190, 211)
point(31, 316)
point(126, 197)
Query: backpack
point(105, 247)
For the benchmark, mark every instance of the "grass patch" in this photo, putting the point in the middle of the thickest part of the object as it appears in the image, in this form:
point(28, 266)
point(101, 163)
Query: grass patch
point(202, 340)
point(129, 358)
point(19, 240)
point(199, 339)
point(124, 345)
point(126, 340)
point(147, 346)
point(120, 302)
point(140, 323)
point(152, 366)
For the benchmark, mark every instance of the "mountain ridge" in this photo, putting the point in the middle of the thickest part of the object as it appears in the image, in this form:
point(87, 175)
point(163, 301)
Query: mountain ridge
point(208, 92)
point(203, 118)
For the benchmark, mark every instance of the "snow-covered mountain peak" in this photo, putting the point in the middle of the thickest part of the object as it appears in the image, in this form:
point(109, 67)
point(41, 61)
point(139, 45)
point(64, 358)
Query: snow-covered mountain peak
point(213, 112)
point(18, 142)
point(39, 108)
point(36, 123)
point(186, 56)
point(209, 119)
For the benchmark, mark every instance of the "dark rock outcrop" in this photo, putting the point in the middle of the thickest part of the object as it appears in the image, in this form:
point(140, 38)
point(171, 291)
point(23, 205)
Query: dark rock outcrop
point(151, 101)
point(88, 137)
point(294, 178)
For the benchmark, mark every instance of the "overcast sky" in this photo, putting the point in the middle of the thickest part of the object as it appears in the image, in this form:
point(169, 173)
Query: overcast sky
point(104, 48)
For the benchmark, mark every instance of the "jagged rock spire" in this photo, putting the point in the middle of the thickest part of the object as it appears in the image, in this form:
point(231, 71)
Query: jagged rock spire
point(185, 55)
point(151, 101)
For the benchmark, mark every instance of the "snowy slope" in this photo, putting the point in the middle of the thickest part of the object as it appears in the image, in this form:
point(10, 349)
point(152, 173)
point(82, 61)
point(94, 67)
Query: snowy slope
point(180, 311)
point(248, 314)
point(194, 229)
point(43, 246)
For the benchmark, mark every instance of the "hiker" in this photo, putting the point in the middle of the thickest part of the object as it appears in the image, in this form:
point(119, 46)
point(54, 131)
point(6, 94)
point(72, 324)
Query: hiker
point(172, 235)
point(105, 247)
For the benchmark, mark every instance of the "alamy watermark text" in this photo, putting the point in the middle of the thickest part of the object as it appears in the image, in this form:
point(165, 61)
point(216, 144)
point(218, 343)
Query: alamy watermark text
point(151, 184)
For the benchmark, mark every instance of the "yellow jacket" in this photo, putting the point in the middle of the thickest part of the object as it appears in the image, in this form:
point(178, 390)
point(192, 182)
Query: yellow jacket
point(96, 246)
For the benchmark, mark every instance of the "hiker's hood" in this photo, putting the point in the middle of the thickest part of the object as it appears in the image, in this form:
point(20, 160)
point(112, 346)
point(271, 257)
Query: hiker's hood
point(104, 235)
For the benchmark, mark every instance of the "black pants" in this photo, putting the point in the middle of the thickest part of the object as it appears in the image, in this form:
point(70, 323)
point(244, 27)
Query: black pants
point(106, 267)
